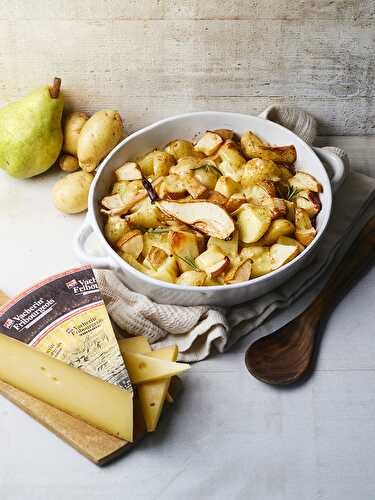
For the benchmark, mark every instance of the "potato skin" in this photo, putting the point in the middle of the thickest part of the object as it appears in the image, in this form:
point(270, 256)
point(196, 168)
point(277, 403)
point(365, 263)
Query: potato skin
point(99, 135)
point(71, 129)
point(70, 193)
point(68, 163)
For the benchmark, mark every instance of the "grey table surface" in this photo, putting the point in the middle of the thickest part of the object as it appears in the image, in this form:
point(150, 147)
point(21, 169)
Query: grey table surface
point(229, 436)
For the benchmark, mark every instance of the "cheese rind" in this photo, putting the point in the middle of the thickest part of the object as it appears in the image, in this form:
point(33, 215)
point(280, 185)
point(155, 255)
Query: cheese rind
point(98, 403)
point(144, 368)
point(152, 395)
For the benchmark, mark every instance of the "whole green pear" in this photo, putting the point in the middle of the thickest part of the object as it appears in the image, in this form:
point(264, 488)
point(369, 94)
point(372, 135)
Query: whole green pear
point(30, 132)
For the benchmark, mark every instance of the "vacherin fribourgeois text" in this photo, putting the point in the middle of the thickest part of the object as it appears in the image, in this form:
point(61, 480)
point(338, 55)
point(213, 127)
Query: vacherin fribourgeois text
point(65, 317)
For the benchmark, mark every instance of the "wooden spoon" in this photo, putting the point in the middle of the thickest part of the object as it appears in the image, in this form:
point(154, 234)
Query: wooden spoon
point(286, 356)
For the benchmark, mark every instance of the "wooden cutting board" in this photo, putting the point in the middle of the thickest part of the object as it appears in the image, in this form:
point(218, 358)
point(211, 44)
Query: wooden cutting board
point(96, 445)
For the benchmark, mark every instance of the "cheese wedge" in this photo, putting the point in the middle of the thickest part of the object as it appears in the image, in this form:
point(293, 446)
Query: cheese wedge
point(103, 405)
point(144, 368)
point(134, 344)
point(153, 394)
point(140, 344)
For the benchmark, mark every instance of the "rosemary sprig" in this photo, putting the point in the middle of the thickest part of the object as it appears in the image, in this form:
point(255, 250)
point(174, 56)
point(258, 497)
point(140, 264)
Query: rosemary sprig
point(189, 261)
point(214, 170)
point(157, 230)
point(292, 192)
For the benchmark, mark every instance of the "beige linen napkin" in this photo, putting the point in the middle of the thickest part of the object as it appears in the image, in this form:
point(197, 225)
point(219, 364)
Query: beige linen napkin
point(199, 331)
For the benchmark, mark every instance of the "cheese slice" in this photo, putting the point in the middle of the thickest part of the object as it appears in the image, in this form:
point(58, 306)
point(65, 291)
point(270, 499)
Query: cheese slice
point(144, 368)
point(101, 404)
point(134, 344)
point(153, 394)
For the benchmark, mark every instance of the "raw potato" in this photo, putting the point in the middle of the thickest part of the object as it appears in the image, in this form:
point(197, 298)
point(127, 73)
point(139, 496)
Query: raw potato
point(70, 193)
point(99, 135)
point(68, 163)
point(71, 129)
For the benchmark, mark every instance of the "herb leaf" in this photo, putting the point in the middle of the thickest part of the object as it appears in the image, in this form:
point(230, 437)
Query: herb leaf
point(292, 192)
point(214, 170)
point(188, 261)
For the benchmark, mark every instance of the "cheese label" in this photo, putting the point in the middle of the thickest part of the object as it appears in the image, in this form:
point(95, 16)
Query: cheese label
point(65, 317)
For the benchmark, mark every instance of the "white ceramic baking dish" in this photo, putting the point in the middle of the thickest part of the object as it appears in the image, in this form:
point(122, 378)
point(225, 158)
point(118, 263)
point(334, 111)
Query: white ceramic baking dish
point(188, 126)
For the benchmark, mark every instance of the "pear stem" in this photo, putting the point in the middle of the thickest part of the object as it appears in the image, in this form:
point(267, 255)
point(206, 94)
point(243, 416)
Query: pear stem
point(55, 89)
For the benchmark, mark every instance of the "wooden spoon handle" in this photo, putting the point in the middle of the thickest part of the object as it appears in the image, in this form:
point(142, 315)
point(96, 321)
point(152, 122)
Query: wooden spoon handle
point(357, 259)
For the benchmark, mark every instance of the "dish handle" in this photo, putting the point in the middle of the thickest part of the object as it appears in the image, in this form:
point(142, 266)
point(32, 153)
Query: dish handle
point(339, 167)
point(79, 247)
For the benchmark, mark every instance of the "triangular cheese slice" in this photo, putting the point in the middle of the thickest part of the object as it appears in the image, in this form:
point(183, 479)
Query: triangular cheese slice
point(153, 394)
point(134, 344)
point(143, 368)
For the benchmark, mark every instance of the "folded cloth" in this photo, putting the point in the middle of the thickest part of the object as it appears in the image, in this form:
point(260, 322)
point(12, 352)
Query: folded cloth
point(199, 331)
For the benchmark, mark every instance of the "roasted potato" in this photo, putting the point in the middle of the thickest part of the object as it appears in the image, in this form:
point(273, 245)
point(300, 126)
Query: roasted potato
point(253, 147)
point(213, 217)
point(253, 222)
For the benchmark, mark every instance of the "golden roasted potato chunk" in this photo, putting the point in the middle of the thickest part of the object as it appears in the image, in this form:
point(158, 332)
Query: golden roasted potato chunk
point(252, 252)
point(227, 247)
point(276, 206)
point(192, 278)
point(261, 264)
point(303, 180)
point(148, 216)
point(173, 187)
point(253, 222)
point(230, 153)
point(286, 240)
point(212, 261)
point(128, 172)
point(278, 227)
point(239, 273)
point(194, 187)
point(209, 143)
point(234, 202)
point(253, 147)
point(184, 246)
point(309, 201)
point(115, 228)
point(181, 148)
point(185, 165)
point(281, 254)
point(131, 243)
point(225, 133)
point(206, 176)
point(166, 272)
point(227, 186)
point(305, 232)
point(130, 259)
point(155, 258)
point(159, 240)
point(257, 170)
